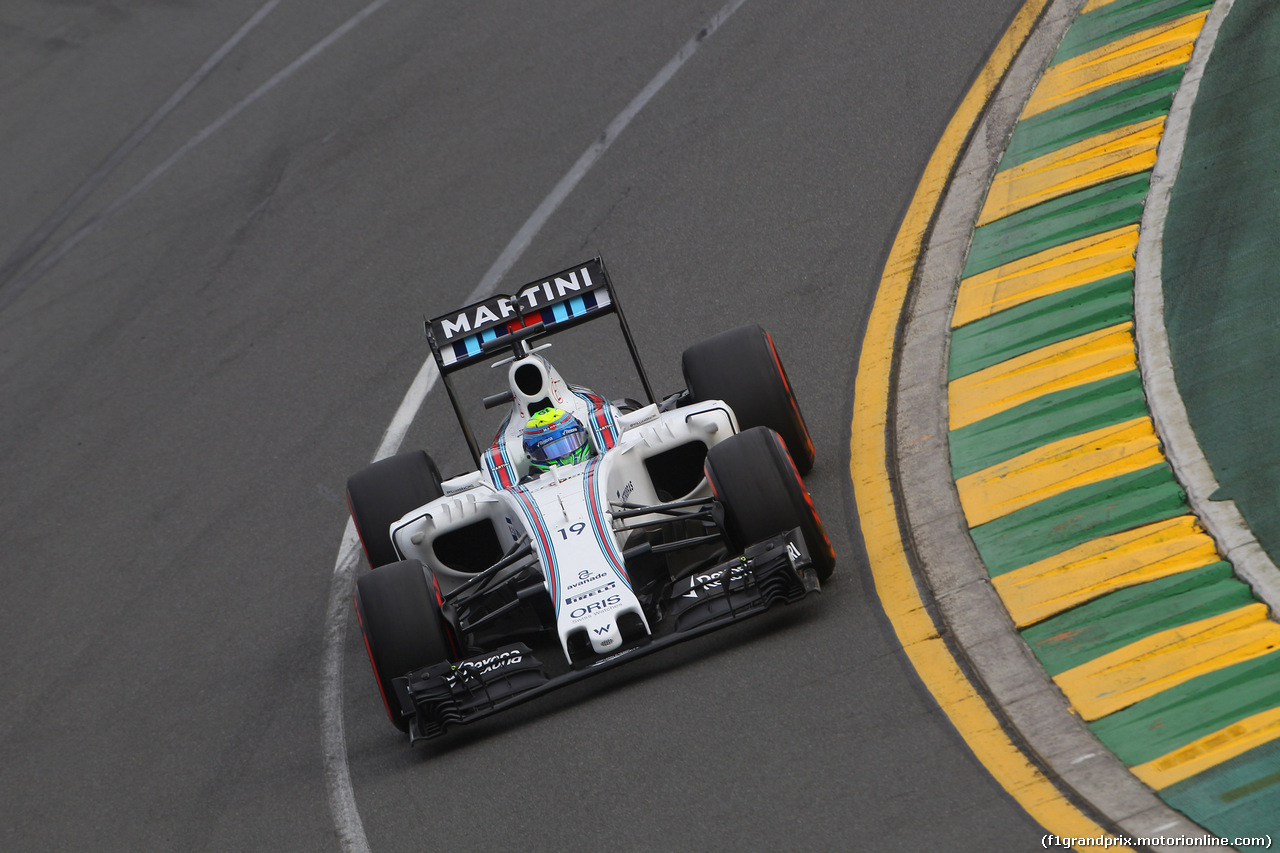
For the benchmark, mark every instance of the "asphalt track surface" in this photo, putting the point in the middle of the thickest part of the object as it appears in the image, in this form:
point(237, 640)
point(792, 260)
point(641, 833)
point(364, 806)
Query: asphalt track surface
point(195, 351)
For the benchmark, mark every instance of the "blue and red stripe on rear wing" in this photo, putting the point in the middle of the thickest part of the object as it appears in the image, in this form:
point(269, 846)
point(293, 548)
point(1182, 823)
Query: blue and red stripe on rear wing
point(569, 297)
point(580, 293)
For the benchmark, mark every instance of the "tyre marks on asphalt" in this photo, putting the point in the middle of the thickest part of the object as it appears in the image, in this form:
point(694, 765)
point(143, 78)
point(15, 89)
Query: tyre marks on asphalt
point(20, 278)
point(35, 241)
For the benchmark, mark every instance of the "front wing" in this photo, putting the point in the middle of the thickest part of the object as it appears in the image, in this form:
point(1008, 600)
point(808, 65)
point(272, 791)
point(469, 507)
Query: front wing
point(774, 570)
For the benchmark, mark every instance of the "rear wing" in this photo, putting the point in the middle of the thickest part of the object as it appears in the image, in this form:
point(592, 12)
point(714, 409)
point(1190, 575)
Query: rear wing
point(507, 323)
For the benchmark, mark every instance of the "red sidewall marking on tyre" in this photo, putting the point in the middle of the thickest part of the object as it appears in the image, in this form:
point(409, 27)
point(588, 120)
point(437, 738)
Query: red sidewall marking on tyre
point(808, 499)
point(791, 397)
point(364, 635)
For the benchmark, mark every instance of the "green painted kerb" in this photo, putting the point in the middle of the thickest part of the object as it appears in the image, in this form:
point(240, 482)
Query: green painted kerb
point(1053, 223)
point(1120, 618)
point(1078, 516)
point(1174, 718)
point(1112, 108)
point(1119, 19)
point(1046, 419)
point(1237, 799)
point(1039, 323)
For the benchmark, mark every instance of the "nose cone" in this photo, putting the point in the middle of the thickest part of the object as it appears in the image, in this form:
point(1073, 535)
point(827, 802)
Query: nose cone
point(604, 635)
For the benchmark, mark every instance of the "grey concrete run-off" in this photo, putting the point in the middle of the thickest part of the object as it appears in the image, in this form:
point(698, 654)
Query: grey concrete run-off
point(944, 554)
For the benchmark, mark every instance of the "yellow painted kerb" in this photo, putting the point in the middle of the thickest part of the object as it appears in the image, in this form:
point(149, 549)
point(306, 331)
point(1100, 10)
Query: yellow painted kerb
point(1057, 467)
point(1168, 658)
point(1160, 48)
point(895, 585)
point(1211, 750)
point(1053, 270)
point(1067, 364)
point(1115, 154)
point(1099, 566)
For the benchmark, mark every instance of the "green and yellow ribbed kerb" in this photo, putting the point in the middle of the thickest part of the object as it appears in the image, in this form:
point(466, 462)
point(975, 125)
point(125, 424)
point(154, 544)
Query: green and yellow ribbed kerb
point(1085, 532)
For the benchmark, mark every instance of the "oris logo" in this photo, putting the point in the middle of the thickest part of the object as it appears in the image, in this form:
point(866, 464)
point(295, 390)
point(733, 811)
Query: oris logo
point(596, 607)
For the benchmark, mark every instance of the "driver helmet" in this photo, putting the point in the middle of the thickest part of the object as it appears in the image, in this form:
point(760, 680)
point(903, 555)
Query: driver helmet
point(555, 437)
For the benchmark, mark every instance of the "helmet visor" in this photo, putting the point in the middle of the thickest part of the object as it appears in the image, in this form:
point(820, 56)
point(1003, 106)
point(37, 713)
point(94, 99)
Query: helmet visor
point(558, 446)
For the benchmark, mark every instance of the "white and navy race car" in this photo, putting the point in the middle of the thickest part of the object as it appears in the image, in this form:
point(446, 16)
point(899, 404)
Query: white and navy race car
point(591, 532)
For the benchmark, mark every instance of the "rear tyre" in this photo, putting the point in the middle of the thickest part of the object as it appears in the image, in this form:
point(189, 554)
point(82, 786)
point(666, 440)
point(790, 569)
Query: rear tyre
point(754, 478)
point(380, 493)
point(741, 367)
point(402, 626)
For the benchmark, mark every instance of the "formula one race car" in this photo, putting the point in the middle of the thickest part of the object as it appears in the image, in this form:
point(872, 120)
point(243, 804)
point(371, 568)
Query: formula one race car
point(592, 532)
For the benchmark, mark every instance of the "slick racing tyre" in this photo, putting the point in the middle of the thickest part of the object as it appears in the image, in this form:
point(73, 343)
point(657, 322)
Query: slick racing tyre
point(402, 626)
point(741, 367)
point(754, 478)
point(380, 493)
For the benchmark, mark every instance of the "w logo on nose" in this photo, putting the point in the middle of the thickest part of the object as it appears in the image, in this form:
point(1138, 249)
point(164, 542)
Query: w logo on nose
point(603, 630)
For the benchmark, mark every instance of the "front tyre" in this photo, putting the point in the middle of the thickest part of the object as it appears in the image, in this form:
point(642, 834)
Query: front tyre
point(742, 367)
point(379, 494)
point(754, 478)
point(403, 628)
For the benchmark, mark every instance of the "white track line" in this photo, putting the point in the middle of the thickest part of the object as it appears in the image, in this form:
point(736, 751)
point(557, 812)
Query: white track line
point(36, 240)
point(22, 282)
point(342, 801)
